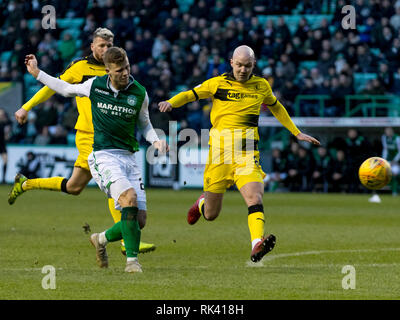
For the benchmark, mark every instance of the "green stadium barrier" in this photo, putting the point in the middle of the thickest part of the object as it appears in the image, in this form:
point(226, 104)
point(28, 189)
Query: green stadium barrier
point(366, 105)
point(369, 104)
point(360, 80)
point(6, 56)
point(320, 98)
point(73, 23)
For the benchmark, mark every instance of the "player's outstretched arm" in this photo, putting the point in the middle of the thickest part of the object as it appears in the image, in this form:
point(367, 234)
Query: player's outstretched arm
point(60, 86)
point(198, 93)
point(45, 93)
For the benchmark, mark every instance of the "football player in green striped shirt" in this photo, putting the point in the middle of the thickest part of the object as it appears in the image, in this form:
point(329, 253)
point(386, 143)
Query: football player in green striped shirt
point(119, 106)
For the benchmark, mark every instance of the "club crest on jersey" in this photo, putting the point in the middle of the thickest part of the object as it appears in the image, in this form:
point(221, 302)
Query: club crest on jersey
point(131, 100)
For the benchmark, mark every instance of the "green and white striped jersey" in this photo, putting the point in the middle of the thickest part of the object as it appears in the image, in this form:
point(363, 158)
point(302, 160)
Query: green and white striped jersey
point(391, 148)
point(116, 115)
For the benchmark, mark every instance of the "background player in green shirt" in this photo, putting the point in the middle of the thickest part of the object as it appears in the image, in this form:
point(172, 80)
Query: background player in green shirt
point(119, 105)
point(391, 152)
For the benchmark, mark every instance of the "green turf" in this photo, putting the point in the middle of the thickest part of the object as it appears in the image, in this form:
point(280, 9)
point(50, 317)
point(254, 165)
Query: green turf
point(316, 236)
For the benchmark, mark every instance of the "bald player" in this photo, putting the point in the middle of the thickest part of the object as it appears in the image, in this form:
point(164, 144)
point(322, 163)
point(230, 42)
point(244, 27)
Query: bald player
point(233, 157)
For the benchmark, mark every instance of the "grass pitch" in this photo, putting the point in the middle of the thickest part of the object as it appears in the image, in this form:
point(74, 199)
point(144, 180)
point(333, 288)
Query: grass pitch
point(317, 235)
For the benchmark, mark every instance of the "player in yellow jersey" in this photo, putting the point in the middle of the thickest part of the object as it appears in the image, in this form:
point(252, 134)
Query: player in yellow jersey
point(236, 101)
point(78, 71)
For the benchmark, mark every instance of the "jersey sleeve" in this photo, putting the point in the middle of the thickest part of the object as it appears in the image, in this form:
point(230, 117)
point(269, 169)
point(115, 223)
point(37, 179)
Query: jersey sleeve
point(64, 88)
point(203, 91)
point(70, 75)
point(270, 98)
point(144, 122)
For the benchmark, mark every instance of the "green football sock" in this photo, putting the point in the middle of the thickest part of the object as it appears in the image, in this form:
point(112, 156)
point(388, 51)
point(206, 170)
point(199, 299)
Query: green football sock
point(130, 231)
point(114, 233)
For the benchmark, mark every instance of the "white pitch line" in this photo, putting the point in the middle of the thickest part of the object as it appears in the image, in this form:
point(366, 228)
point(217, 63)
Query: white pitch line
point(316, 252)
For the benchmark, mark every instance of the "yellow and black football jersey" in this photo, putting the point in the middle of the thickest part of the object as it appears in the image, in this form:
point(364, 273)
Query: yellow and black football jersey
point(78, 71)
point(236, 105)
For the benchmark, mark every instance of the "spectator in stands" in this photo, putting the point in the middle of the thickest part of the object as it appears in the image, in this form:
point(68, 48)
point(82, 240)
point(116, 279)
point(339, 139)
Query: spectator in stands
point(338, 177)
point(377, 87)
point(67, 48)
point(278, 173)
point(365, 60)
point(31, 167)
point(5, 129)
point(321, 170)
point(325, 62)
point(289, 93)
point(357, 150)
point(385, 76)
point(393, 55)
point(46, 115)
point(309, 108)
point(338, 42)
point(396, 84)
point(43, 138)
point(293, 179)
point(282, 30)
point(391, 152)
point(304, 169)
point(302, 29)
point(287, 67)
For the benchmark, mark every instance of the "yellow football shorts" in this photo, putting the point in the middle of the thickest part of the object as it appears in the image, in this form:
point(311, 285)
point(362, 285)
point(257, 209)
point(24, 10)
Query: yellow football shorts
point(84, 144)
point(222, 174)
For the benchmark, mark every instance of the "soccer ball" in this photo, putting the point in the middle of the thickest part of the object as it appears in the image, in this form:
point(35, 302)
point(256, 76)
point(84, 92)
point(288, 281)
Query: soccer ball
point(375, 173)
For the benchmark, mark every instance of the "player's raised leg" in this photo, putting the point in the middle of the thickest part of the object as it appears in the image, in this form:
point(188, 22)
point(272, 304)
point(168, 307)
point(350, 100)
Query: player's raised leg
point(209, 205)
point(252, 193)
point(74, 185)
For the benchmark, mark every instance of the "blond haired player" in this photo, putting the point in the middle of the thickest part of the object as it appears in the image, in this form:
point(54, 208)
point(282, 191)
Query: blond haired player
point(236, 100)
point(78, 71)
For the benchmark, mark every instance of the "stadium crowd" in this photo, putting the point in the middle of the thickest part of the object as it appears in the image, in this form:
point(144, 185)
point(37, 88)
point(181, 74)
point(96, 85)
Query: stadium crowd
point(175, 44)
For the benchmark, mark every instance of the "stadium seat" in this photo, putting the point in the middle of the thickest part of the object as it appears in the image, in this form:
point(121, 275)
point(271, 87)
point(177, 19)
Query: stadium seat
point(31, 91)
point(292, 21)
point(71, 139)
point(308, 64)
point(5, 56)
point(29, 80)
point(74, 23)
point(75, 33)
point(360, 79)
point(184, 5)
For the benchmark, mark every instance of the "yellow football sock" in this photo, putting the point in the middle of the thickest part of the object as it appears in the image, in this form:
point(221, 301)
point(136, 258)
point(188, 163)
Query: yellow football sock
point(53, 183)
point(116, 214)
point(201, 206)
point(256, 224)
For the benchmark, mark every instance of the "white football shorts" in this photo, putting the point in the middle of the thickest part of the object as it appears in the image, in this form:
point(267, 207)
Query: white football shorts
point(116, 171)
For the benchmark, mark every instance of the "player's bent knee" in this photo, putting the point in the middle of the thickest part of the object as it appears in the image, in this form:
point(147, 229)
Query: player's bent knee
point(255, 199)
point(128, 198)
point(70, 188)
point(142, 218)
